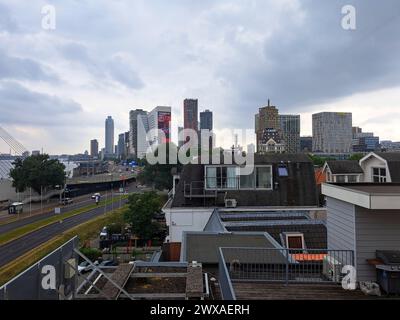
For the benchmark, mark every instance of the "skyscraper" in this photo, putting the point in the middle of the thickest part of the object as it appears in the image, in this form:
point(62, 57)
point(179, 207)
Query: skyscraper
point(94, 148)
point(266, 118)
point(332, 132)
point(190, 114)
point(133, 129)
point(206, 120)
point(290, 130)
point(109, 137)
point(160, 119)
point(121, 146)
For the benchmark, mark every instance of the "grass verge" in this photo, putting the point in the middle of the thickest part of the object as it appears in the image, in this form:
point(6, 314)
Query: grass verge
point(19, 232)
point(84, 231)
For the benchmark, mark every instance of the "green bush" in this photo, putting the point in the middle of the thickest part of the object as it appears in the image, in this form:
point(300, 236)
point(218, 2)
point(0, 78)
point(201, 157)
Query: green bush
point(91, 253)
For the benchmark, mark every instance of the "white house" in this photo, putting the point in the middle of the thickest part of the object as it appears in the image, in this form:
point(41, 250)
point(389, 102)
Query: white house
point(381, 167)
point(342, 171)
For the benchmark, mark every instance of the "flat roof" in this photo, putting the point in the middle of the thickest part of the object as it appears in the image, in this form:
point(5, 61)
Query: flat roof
point(385, 196)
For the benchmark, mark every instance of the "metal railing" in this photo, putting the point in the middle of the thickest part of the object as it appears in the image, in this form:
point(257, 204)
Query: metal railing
point(224, 279)
point(286, 265)
point(197, 189)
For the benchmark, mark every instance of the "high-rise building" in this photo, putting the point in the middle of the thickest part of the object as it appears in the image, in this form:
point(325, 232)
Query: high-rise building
point(290, 130)
point(94, 148)
point(190, 114)
point(206, 123)
point(160, 119)
point(121, 146)
point(109, 137)
point(180, 141)
point(206, 120)
point(267, 118)
point(134, 126)
point(306, 144)
point(332, 132)
point(364, 141)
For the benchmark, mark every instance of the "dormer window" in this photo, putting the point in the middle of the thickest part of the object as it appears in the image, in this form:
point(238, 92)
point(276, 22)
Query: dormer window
point(229, 178)
point(295, 241)
point(379, 175)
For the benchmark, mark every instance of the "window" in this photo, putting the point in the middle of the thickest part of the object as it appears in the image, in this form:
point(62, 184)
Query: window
point(283, 172)
point(352, 178)
point(263, 178)
point(228, 177)
point(211, 177)
point(379, 175)
point(247, 181)
point(340, 179)
point(295, 241)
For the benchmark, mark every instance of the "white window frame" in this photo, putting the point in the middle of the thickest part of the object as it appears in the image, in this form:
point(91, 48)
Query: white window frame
point(379, 175)
point(295, 234)
point(238, 178)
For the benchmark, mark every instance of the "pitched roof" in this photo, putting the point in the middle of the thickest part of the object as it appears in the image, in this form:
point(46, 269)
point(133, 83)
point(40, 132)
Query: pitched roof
point(296, 189)
point(393, 161)
point(389, 156)
point(344, 167)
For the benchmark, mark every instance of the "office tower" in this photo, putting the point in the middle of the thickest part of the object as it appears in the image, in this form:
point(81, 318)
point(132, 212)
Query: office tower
point(364, 141)
point(306, 144)
point(206, 120)
point(267, 118)
point(206, 123)
point(290, 130)
point(160, 119)
point(94, 148)
point(121, 146)
point(109, 137)
point(332, 132)
point(180, 142)
point(133, 129)
point(190, 114)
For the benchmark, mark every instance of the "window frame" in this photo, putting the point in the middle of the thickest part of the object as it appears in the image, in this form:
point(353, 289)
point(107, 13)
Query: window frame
point(381, 178)
point(296, 235)
point(238, 181)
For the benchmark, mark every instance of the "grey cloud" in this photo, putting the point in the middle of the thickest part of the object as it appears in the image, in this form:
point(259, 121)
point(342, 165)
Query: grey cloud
point(20, 105)
point(24, 69)
point(318, 62)
point(114, 68)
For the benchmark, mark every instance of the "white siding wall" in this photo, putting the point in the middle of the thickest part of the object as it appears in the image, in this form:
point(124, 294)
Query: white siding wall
point(340, 225)
point(367, 166)
point(179, 220)
point(375, 230)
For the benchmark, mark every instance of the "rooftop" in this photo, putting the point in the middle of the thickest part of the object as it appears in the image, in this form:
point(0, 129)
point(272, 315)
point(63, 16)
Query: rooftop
point(385, 196)
point(272, 222)
point(344, 167)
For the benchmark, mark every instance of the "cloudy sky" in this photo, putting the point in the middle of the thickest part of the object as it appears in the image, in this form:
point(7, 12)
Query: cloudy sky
point(108, 57)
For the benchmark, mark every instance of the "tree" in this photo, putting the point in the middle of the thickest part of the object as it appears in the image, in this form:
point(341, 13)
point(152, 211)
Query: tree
point(140, 214)
point(37, 172)
point(319, 161)
point(356, 156)
point(159, 175)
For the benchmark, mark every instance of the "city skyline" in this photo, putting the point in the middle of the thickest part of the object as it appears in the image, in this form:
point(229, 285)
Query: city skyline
point(69, 79)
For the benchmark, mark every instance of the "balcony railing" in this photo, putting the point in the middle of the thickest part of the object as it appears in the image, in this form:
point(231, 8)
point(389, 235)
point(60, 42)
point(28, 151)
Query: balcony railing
point(195, 189)
point(286, 265)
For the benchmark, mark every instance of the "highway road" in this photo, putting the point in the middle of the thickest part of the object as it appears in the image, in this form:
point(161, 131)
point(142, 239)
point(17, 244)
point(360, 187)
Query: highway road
point(14, 249)
point(81, 202)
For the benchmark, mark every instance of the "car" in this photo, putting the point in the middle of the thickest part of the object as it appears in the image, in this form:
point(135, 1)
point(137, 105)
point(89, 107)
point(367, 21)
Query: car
point(96, 195)
point(66, 201)
point(86, 266)
point(104, 232)
point(108, 263)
